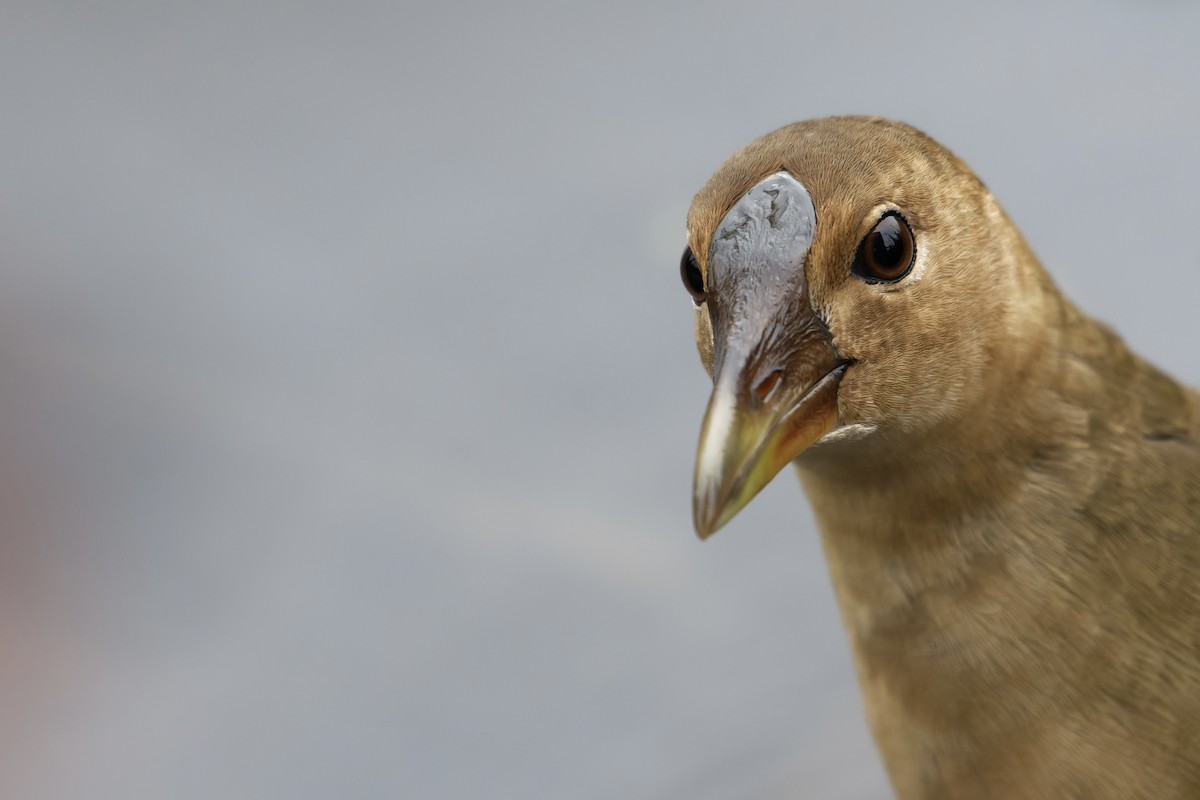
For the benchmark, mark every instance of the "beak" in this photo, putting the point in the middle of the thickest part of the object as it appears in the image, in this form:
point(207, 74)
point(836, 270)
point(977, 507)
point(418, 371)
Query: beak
point(776, 371)
point(743, 445)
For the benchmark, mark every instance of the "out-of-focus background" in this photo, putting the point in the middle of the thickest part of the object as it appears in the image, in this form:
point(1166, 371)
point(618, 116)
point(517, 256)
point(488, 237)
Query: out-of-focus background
point(347, 392)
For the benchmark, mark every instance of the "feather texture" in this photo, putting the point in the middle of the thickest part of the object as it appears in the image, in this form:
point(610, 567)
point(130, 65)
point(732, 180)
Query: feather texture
point(1013, 529)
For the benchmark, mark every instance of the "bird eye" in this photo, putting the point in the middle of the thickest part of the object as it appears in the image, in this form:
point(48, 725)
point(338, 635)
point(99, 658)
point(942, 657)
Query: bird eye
point(693, 281)
point(886, 253)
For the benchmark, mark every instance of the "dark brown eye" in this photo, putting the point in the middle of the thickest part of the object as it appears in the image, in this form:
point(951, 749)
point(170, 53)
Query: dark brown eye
point(886, 253)
point(693, 281)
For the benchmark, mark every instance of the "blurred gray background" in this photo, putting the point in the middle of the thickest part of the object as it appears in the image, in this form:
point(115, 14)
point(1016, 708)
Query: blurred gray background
point(347, 392)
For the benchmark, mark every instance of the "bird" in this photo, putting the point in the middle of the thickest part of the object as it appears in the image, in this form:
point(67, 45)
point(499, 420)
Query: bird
point(1008, 497)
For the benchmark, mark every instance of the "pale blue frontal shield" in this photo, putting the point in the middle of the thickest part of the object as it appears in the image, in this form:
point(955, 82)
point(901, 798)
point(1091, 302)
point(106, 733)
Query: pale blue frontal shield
point(775, 218)
point(757, 257)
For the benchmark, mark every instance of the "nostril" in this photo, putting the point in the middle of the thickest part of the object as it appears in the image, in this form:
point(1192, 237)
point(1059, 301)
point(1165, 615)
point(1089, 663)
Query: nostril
point(767, 385)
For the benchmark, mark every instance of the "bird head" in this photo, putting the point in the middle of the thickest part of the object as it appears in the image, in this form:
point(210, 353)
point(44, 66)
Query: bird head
point(852, 281)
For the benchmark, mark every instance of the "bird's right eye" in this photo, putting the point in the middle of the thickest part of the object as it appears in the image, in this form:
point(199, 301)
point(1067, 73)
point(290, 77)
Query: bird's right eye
point(693, 281)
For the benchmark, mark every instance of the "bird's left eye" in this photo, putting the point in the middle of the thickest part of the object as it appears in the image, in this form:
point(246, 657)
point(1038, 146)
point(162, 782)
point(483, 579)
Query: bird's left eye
point(886, 253)
point(693, 281)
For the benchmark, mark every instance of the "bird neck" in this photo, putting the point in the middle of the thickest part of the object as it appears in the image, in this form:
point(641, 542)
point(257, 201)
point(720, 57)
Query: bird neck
point(916, 551)
point(893, 497)
point(966, 565)
point(926, 538)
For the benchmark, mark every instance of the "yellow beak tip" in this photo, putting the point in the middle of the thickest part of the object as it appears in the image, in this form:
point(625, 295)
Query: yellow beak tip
point(708, 519)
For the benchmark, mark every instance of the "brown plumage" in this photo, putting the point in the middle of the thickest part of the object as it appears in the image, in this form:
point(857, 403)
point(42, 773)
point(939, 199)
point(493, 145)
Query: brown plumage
point(1008, 498)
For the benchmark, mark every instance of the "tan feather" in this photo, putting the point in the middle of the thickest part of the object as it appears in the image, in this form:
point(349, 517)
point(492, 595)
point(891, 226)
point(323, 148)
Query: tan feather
point(1010, 508)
